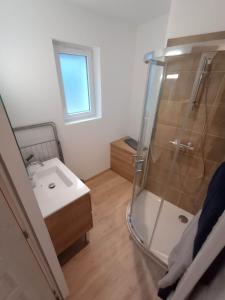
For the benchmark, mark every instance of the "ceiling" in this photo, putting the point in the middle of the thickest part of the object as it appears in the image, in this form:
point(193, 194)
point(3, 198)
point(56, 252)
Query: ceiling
point(136, 11)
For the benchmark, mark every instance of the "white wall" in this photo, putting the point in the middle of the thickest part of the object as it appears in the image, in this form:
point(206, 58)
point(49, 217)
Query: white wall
point(150, 36)
point(196, 17)
point(29, 83)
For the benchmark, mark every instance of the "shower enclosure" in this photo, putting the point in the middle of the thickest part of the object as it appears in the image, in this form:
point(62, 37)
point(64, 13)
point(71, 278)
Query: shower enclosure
point(182, 142)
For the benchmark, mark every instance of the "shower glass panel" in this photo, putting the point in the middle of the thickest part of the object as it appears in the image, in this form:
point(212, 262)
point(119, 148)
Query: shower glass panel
point(182, 142)
point(137, 211)
point(155, 77)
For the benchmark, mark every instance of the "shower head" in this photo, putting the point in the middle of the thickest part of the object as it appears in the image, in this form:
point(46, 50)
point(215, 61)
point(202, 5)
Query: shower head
point(205, 61)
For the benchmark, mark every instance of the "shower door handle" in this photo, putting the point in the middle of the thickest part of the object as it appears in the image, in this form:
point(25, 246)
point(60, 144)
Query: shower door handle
point(139, 164)
point(140, 160)
point(137, 155)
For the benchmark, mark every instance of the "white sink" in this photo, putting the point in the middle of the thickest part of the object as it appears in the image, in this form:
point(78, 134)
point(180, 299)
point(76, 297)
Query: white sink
point(55, 186)
point(52, 176)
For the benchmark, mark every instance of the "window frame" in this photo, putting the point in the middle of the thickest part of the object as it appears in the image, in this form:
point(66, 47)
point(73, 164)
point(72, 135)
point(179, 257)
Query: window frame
point(66, 48)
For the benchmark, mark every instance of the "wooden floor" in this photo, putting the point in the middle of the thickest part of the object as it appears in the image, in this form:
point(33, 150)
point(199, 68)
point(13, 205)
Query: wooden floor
point(111, 267)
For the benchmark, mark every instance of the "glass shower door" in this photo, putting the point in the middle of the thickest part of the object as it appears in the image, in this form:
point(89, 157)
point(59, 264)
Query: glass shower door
point(154, 81)
point(153, 89)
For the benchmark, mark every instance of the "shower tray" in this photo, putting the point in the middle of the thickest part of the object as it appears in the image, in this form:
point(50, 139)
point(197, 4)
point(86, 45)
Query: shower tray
point(162, 235)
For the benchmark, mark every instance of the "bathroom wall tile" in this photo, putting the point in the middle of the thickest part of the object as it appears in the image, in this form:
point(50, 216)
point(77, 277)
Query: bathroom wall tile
point(160, 156)
point(212, 146)
point(154, 187)
point(188, 177)
point(178, 89)
point(193, 203)
point(186, 62)
point(180, 114)
point(189, 198)
point(190, 203)
point(195, 166)
point(163, 134)
point(189, 182)
point(167, 109)
point(191, 178)
point(217, 121)
point(196, 117)
point(218, 63)
point(200, 197)
point(164, 175)
point(168, 193)
point(213, 88)
point(193, 138)
point(173, 196)
point(210, 169)
point(171, 113)
point(221, 97)
point(215, 148)
point(209, 118)
point(192, 186)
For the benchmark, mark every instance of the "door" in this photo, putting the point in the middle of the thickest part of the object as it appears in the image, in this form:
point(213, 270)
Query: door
point(20, 275)
point(23, 199)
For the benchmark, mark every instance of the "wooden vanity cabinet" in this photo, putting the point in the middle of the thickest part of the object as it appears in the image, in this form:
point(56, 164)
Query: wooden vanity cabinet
point(70, 223)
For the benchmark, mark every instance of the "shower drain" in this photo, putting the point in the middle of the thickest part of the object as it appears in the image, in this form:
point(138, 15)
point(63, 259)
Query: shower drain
point(51, 185)
point(183, 219)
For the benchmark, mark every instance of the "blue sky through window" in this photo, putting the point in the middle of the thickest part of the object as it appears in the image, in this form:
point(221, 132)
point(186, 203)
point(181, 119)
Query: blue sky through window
point(75, 82)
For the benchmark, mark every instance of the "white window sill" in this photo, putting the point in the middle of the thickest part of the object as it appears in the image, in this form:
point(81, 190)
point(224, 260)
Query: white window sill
point(83, 120)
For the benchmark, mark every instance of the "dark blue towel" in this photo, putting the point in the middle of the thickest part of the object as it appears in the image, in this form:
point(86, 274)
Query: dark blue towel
point(213, 208)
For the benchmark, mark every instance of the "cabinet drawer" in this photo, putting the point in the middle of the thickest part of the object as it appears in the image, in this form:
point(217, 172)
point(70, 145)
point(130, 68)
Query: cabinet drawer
point(68, 224)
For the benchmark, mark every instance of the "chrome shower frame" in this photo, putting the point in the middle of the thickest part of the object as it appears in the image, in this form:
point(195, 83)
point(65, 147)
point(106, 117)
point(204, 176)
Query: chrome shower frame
point(208, 50)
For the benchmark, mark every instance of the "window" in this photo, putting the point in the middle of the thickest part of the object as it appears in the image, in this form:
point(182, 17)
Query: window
point(78, 81)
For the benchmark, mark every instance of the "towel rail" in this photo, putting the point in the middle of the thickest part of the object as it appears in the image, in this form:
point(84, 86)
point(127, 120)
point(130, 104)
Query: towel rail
point(41, 150)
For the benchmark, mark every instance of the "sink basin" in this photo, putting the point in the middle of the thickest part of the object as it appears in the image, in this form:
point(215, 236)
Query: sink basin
point(53, 175)
point(55, 186)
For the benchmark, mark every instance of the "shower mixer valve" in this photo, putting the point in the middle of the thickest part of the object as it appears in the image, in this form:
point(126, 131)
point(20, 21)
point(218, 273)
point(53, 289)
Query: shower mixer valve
point(183, 147)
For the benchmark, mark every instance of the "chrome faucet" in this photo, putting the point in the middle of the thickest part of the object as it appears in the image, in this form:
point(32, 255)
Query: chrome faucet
point(33, 163)
point(36, 162)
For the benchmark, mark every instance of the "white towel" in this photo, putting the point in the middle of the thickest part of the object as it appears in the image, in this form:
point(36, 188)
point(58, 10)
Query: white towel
point(188, 287)
point(181, 256)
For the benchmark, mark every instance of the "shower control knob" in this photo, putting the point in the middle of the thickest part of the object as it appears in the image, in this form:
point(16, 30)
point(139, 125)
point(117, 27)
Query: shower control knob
point(181, 146)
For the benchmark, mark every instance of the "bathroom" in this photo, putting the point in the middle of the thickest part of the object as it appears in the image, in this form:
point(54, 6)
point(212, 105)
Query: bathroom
point(133, 219)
